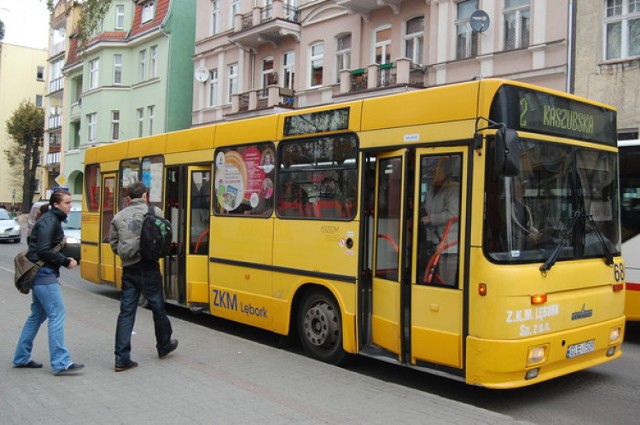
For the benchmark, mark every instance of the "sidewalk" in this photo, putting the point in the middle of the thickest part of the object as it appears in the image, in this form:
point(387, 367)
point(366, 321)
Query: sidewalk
point(212, 378)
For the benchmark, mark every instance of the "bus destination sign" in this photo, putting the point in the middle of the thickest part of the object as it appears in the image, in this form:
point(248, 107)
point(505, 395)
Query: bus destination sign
point(540, 112)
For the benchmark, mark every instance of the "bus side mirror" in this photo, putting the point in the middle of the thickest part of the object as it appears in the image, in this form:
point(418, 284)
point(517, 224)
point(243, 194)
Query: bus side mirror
point(507, 152)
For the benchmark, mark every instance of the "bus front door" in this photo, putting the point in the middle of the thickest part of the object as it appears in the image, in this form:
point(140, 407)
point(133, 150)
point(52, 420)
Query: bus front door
point(416, 300)
point(436, 283)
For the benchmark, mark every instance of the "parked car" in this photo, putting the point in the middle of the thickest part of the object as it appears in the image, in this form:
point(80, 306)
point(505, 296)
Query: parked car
point(9, 227)
point(71, 227)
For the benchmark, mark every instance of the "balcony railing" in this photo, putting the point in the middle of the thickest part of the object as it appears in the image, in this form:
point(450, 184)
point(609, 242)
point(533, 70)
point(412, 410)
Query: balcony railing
point(268, 24)
point(375, 76)
point(55, 121)
point(256, 100)
point(56, 84)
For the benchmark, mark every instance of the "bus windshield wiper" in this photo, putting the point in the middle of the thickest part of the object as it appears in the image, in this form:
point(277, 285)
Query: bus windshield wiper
point(554, 256)
point(608, 255)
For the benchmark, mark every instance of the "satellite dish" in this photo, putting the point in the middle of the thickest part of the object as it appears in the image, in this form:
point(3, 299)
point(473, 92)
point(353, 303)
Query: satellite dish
point(479, 21)
point(202, 74)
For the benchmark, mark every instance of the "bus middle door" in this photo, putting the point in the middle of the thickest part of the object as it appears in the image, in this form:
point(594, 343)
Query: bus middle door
point(389, 227)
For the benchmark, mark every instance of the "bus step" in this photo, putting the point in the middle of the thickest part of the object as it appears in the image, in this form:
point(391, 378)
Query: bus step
point(199, 308)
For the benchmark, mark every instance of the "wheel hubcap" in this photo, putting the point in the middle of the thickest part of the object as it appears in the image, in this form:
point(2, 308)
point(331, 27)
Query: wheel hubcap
point(321, 325)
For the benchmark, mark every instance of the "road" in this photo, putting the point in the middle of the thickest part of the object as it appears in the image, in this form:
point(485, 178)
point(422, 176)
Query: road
point(607, 394)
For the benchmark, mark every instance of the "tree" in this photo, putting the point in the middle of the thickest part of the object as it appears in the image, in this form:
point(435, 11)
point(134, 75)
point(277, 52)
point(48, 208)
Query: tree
point(93, 11)
point(26, 129)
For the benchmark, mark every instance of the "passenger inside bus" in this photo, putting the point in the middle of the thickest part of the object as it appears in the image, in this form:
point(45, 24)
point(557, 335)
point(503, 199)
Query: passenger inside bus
point(440, 222)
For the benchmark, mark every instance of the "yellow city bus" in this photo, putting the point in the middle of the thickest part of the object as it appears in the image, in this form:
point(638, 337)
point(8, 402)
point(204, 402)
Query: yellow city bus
point(470, 230)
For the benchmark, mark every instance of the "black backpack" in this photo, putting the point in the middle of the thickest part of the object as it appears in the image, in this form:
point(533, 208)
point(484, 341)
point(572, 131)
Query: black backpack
point(155, 238)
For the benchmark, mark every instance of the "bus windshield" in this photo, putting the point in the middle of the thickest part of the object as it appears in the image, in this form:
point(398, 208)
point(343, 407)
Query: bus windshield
point(563, 203)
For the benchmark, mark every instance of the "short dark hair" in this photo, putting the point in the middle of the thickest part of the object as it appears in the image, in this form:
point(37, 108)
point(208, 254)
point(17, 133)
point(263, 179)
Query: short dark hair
point(136, 190)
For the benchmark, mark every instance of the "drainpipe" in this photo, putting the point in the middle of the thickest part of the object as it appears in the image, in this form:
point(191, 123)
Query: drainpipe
point(571, 47)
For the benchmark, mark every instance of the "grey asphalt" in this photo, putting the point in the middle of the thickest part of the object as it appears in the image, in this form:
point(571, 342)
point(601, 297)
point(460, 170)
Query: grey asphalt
point(212, 378)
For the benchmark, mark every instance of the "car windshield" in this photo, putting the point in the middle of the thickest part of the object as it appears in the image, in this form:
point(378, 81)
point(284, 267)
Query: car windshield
point(4, 215)
point(73, 221)
point(562, 205)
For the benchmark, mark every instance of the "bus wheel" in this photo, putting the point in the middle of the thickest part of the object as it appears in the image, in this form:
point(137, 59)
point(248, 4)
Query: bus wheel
point(320, 327)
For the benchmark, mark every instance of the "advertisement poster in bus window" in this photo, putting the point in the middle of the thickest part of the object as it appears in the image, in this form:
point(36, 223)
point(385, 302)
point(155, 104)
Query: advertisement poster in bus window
point(243, 178)
point(152, 179)
point(231, 179)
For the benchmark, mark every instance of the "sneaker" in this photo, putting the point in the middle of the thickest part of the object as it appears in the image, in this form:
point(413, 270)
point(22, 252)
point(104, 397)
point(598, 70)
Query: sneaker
point(172, 346)
point(127, 366)
point(73, 367)
point(31, 364)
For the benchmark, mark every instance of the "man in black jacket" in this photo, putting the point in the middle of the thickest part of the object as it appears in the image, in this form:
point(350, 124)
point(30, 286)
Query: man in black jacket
point(48, 303)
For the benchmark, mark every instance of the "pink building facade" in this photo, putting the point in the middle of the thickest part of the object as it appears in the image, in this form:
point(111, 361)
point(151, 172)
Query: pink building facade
point(255, 57)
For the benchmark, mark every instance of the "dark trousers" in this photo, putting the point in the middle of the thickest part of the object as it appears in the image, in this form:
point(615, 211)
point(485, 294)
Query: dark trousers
point(143, 277)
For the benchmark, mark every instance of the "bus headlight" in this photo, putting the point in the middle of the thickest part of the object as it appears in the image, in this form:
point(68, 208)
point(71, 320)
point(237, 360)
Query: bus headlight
point(614, 335)
point(536, 355)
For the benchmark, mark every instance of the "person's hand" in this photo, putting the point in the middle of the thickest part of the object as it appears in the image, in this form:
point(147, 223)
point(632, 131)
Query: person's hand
point(72, 263)
point(534, 237)
point(425, 220)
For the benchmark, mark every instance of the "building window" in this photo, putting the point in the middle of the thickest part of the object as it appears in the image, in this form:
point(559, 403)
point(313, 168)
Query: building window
point(93, 73)
point(382, 45)
point(154, 61)
point(148, 11)
point(151, 110)
point(40, 73)
point(117, 69)
point(39, 101)
point(316, 64)
point(92, 124)
point(213, 87)
point(343, 54)
point(119, 16)
point(414, 39)
point(622, 29)
point(269, 76)
point(233, 81)
point(235, 10)
point(215, 17)
point(516, 24)
point(140, 116)
point(288, 69)
point(115, 126)
point(466, 39)
point(142, 65)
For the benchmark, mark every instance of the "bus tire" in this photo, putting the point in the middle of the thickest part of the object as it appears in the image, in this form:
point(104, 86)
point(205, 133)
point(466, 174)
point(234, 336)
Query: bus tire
point(320, 327)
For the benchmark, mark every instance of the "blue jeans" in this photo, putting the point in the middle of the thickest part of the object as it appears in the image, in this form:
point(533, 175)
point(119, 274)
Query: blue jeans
point(143, 277)
point(47, 303)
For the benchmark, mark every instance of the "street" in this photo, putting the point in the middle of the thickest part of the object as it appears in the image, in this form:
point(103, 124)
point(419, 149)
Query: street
point(226, 373)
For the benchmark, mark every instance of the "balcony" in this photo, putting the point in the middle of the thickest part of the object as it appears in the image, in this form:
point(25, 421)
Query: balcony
point(52, 160)
point(401, 73)
point(364, 7)
point(56, 85)
point(266, 25)
point(263, 99)
point(76, 110)
point(55, 121)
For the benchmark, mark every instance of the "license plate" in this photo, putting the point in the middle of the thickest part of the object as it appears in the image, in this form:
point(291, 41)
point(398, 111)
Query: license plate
point(576, 350)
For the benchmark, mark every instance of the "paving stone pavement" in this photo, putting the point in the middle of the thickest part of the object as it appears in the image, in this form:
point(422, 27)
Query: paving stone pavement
point(212, 378)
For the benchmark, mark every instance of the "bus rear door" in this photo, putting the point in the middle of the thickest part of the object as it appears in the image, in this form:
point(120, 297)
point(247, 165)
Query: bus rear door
point(107, 257)
point(198, 218)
